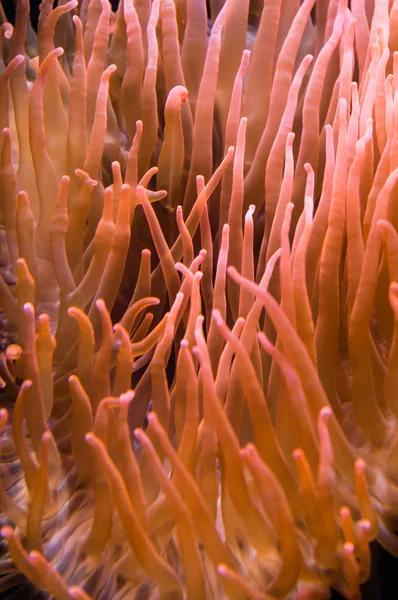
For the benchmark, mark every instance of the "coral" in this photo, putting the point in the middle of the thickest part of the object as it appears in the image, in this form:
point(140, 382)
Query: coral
point(199, 298)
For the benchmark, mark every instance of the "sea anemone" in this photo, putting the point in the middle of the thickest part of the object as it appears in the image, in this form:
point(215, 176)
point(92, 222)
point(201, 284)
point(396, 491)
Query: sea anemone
point(199, 298)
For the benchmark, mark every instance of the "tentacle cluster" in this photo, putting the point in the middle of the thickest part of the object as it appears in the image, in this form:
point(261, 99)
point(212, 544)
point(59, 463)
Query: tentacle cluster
point(199, 275)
